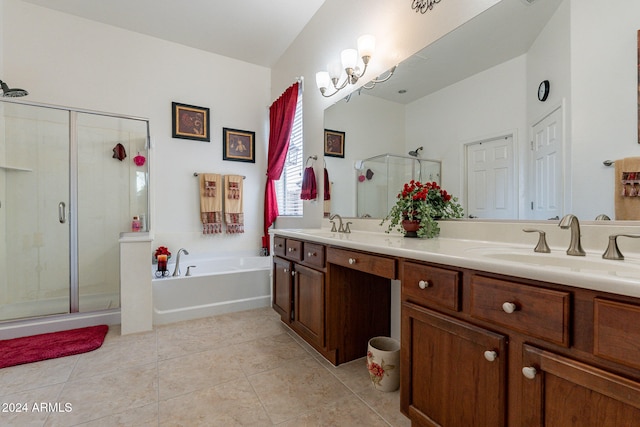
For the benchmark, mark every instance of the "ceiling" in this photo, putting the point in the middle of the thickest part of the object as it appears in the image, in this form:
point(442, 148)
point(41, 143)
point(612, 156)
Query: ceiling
point(254, 31)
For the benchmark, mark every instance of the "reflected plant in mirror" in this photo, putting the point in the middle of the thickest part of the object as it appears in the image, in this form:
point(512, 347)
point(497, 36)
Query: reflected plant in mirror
point(418, 207)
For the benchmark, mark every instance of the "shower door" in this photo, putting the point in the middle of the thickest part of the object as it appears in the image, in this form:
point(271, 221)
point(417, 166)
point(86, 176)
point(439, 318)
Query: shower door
point(34, 198)
point(65, 197)
point(110, 193)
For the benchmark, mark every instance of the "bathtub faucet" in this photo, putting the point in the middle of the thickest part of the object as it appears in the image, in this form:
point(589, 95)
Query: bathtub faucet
point(176, 272)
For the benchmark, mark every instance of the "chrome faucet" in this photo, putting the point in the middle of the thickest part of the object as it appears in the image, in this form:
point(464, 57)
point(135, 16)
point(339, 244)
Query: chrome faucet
point(571, 221)
point(176, 272)
point(333, 226)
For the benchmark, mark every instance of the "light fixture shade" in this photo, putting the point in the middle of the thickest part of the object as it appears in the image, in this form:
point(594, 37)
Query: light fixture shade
point(323, 81)
point(366, 45)
point(349, 58)
point(335, 69)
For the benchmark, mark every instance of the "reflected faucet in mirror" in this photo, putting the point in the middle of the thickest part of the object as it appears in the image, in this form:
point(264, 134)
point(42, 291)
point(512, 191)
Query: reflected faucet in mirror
point(341, 227)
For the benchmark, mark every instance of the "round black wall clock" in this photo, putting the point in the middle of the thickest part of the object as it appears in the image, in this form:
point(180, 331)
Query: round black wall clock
point(543, 90)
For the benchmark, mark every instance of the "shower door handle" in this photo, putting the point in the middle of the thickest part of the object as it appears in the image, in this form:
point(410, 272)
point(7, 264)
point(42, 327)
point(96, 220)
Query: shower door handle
point(62, 216)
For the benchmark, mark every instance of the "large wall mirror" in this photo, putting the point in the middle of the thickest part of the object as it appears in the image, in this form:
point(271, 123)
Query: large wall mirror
point(471, 101)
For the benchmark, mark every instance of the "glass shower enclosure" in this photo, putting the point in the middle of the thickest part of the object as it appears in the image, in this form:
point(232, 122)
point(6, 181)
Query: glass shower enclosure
point(66, 194)
point(382, 177)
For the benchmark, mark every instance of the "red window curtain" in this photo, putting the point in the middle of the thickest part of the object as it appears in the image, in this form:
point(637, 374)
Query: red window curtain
point(281, 115)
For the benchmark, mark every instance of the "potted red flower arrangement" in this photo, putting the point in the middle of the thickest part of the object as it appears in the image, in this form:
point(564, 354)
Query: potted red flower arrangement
point(418, 207)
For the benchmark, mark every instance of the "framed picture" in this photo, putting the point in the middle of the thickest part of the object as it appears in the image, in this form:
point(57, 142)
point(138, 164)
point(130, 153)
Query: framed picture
point(238, 145)
point(333, 143)
point(190, 122)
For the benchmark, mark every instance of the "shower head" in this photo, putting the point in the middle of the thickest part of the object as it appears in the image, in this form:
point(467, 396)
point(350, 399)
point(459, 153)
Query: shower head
point(415, 152)
point(12, 93)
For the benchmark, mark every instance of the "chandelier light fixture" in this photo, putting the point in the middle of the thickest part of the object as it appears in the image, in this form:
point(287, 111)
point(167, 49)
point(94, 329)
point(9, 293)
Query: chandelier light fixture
point(351, 70)
point(423, 5)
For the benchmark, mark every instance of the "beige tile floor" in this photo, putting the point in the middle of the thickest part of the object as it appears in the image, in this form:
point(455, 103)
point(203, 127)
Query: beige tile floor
point(241, 368)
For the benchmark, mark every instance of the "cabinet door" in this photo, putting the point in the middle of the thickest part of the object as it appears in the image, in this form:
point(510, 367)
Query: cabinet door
point(308, 317)
point(453, 373)
point(564, 392)
point(282, 295)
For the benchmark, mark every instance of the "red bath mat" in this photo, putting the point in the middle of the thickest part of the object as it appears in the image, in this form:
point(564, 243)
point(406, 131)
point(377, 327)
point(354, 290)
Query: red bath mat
point(49, 346)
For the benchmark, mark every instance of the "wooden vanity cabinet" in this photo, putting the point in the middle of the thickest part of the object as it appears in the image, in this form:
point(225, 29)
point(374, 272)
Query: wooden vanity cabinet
point(481, 349)
point(282, 288)
point(308, 317)
point(560, 391)
point(335, 299)
point(452, 373)
point(299, 287)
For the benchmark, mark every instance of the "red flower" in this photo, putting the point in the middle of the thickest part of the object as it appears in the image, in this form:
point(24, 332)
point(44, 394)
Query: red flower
point(162, 250)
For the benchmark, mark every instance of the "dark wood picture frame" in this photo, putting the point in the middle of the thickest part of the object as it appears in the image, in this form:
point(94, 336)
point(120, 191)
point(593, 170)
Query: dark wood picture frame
point(190, 122)
point(238, 145)
point(334, 143)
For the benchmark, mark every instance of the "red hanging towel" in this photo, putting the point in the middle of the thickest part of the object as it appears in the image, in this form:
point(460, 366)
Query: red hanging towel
point(327, 189)
point(309, 190)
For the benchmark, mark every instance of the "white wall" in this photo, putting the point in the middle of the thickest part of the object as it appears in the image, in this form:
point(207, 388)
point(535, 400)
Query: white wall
point(65, 60)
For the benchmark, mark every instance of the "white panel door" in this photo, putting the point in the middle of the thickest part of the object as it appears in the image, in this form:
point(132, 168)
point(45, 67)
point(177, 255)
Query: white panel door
point(546, 147)
point(491, 182)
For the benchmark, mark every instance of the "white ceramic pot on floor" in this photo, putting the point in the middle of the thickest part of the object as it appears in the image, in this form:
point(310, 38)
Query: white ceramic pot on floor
point(383, 363)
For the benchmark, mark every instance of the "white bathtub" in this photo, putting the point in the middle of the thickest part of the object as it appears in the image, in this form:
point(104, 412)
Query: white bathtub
point(216, 286)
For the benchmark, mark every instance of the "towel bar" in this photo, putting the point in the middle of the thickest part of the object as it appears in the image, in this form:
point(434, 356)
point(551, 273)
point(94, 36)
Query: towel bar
point(196, 174)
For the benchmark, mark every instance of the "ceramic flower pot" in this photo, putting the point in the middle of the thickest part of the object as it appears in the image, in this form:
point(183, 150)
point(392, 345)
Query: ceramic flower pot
point(383, 363)
point(411, 227)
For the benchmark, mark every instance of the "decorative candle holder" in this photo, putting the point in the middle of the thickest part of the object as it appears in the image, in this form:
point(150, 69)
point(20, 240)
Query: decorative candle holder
point(162, 266)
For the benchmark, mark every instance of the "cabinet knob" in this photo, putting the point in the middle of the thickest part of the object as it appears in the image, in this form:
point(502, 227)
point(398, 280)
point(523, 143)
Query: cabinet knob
point(279, 245)
point(286, 270)
point(509, 307)
point(352, 261)
point(490, 355)
point(292, 249)
point(311, 254)
point(529, 372)
point(424, 284)
point(293, 273)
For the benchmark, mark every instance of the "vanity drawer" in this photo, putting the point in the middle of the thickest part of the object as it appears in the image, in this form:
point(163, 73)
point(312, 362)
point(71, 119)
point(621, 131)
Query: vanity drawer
point(313, 254)
point(376, 265)
point(279, 246)
point(428, 285)
point(616, 335)
point(293, 249)
point(537, 312)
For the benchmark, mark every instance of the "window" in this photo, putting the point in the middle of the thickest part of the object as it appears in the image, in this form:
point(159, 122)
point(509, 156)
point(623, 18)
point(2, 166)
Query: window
point(289, 185)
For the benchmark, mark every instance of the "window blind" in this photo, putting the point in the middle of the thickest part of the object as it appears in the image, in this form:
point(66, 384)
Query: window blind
point(290, 183)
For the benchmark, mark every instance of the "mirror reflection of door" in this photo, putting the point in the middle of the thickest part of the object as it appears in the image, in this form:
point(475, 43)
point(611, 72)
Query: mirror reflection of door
point(491, 182)
point(546, 168)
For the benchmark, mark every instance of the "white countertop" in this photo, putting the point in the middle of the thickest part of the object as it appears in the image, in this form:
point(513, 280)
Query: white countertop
point(588, 272)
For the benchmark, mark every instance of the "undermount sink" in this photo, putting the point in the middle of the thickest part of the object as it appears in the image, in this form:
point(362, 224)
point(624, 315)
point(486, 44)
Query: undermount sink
point(592, 263)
